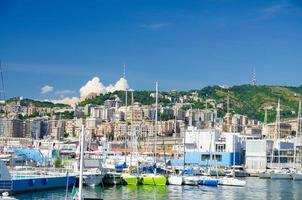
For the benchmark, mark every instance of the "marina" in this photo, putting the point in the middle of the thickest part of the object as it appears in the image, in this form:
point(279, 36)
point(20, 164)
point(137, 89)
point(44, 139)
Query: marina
point(255, 189)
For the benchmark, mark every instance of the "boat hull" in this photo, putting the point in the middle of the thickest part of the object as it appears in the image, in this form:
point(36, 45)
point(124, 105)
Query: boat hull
point(131, 179)
point(38, 184)
point(112, 179)
point(93, 179)
point(265, 175)
point(175, 180)
point(281, 176)
point(297, 176)
point(190, 180)
point(232, 182)
point(154, 180)
point(208, 182)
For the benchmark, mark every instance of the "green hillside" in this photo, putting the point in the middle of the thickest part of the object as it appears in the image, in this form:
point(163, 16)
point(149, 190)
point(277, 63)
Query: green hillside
point(244, 99)
point(251, 100)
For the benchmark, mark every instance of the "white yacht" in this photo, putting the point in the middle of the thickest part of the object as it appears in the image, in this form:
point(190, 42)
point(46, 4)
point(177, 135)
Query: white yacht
point(175, 180)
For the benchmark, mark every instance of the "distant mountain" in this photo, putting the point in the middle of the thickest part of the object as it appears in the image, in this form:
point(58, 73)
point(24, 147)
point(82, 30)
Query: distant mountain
point(36, 103)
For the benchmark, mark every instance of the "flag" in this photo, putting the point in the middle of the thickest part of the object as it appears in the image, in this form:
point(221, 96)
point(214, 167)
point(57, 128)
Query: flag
point(74, 193)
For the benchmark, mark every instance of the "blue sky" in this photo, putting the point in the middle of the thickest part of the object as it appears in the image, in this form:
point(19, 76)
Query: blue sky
point(182, 44)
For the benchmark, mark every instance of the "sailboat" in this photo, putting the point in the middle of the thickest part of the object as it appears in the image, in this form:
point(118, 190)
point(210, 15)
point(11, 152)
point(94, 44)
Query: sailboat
point(79, 194)
point(280, 173)
point(297, 175)
point(232, 181)
point(130, 178)
point(177, 179)
point(154, 179)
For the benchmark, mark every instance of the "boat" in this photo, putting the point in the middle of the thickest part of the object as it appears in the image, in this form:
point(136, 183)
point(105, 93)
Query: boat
point(5, 196)
point(131, 179)
point(297, 176)
point(92, 178)
point(175, 180)
point(19, 182)
point(229, 181)
point(282, 174)
point(238, 171)
point(265, 175)
point(112, 178)
point(208, 181)
point(153, 179)
point(218, 172)
point(191, 180)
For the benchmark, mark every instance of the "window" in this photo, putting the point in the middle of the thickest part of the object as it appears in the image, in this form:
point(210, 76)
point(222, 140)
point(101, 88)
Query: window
point(220, 147)
point(206, 157)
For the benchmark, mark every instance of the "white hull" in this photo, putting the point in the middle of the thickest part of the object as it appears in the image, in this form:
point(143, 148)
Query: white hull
point(277, 175)
point(232, 182)
point(175, 180)
point(297, 176)
point(191, 180)
point(265, 175)
point(92, 179)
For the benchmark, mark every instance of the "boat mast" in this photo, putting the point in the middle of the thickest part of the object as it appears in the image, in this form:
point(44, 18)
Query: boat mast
point(81, 162)
point(156, 129)
point(298, 131)
point(278, 130)
point(126, 105)
point(126, 123)
point(131, 135)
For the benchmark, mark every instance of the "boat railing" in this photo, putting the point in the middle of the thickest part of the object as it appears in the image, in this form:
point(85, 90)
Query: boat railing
point(6, 185)
point(40, 172)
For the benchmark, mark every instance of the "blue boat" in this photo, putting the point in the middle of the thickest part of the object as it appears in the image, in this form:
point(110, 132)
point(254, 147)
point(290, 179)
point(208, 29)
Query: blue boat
point(25, 183)
point(208, 182)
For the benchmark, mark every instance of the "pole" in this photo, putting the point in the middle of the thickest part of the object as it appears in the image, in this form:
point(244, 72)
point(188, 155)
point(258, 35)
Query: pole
point(126, 131)
point(156, 108)
point(131, 135)
point(81, 163)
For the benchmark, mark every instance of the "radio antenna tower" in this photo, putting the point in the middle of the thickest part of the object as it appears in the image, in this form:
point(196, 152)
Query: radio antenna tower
point(124, 71)
point(2, 91)
point(254, 80)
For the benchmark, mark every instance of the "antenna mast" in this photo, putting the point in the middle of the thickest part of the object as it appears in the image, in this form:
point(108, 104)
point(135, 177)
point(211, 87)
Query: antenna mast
point(254, 80)
point(2, 92)
point(278, 121)
point(124, 71)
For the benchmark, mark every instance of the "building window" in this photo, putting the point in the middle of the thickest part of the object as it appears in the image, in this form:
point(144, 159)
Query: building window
point(206, 157)
point(220, 147)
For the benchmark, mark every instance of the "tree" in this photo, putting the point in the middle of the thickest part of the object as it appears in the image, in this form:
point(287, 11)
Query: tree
point(58, 161)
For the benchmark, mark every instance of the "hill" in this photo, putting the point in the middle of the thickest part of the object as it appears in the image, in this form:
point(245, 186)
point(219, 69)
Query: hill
point(244, 99)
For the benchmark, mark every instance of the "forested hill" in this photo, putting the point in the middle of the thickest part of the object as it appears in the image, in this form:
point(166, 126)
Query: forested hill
point(244, 99)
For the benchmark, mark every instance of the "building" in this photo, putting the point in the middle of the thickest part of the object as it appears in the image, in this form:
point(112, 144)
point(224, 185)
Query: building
point(210, 147)
point(12, 128)
point(260, 154)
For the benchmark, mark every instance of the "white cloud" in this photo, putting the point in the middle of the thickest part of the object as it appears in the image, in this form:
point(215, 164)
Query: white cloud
point(67, 100)
point(92, 86)
point(46, 89)
point(97, 87)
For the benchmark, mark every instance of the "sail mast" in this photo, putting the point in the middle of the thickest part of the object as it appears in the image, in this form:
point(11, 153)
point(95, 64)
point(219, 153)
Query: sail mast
point(81, 163)
point(298, 133)
point(156, 129)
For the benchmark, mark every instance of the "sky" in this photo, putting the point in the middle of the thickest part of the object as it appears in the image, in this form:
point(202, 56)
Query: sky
point(51, 49)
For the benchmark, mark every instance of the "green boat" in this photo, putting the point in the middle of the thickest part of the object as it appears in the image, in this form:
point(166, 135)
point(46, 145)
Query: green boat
point(152, 179)
point(130, 179)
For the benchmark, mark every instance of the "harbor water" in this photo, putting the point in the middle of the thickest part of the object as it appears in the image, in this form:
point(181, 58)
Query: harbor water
point(255, 189)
